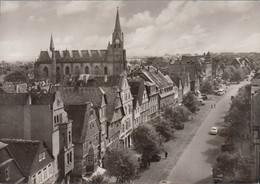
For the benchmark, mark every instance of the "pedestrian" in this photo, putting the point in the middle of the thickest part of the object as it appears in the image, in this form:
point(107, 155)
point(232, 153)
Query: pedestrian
point(166, 154)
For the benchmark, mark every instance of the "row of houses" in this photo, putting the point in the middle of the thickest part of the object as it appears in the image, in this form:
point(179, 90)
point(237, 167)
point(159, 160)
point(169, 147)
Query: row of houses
point(72, 125)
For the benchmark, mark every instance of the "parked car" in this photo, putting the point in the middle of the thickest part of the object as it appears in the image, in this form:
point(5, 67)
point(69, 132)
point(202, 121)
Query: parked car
point(204, 96)
point(155, 158)
point(214, 131)
point(220, 92)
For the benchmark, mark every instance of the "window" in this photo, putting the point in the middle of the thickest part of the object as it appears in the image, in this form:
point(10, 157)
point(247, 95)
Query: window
point(40, 176)
point(41, 156)
point(7, 173)
point(71, 156)
point(50, 169)
point(34, 179)
point(69, 137)
point(68, 158)
point(45, 173)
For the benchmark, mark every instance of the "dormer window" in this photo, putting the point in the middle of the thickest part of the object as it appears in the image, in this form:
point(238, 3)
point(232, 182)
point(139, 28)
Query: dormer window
point(41, 156)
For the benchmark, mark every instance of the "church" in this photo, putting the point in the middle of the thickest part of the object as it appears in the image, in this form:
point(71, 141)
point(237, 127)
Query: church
point(58, 63)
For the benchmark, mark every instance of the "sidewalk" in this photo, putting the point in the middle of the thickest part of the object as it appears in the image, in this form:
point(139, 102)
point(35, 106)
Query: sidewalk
point(160, 170)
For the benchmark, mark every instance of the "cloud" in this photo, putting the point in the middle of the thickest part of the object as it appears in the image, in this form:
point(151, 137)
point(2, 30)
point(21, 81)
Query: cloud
point(38, 20)
point(249, 44)
point(31, 18)
point(140, 20)
point(72, 7)
point(41, 20)
point(96, 42)
point(9, 6)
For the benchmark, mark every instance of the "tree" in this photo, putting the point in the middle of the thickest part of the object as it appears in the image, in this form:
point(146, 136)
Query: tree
point(163, 127)
point(36, 74)
point(97, 179)
point(17, 76)
point(226, 75)
point(121, 163)
point(189, 101)
point(237, 76)
point(207, 87)
point(232, 168)
point(146, 140)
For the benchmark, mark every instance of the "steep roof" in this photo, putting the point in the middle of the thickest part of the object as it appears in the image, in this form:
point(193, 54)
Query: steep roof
point(25, 152)
point(113, 100)
point(154, 75)
point(81, 114)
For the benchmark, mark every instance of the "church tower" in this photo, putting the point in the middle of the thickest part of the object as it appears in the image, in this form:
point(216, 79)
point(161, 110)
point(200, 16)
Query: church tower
point(53, 62)
point(116, 51)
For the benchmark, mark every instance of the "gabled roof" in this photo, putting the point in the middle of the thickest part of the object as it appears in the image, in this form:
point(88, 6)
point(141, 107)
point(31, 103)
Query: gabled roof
point(114, 102)
point(2, 145)
point(154, 75)
point(81, 115)
point(25, 152)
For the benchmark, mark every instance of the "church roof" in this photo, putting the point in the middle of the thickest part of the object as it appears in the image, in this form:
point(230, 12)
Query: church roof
point(75, 55)
point(117, 24)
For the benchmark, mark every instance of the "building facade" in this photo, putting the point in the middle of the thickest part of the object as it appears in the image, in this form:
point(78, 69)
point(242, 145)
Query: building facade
point(39, 117)
point(56, 64)
point(86, 138)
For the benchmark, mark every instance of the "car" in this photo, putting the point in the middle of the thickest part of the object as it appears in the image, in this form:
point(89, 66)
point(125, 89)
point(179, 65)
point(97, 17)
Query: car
point(220, 92)
point(214, 131)
point(204, 96)
point(154, 158)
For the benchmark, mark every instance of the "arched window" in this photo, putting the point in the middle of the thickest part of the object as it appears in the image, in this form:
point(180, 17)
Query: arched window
point(96, 70)
point(45, 69)
point(86, 70)
point(67, 70)
point(105, 70)
point(77, 70)
point(57, 74)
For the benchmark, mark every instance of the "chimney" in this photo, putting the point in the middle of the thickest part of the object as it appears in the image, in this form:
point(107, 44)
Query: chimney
point(17, 88)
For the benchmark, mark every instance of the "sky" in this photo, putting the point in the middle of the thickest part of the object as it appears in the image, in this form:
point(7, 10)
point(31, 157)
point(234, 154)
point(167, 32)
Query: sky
point(151, 28)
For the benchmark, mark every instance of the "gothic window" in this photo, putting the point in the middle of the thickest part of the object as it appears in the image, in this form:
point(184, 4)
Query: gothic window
point(58, 74)
point(105, 70)
point(67, 70)
point(96, 70)
point(45, 69)
point(77, 70)
point(86, 70)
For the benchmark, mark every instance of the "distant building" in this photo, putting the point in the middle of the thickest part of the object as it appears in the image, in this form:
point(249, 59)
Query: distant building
point(168, 91)
point(34, 159)
point(238, 62)
point(86, 138)
point(140, 94)
point(193, 65)
point(10, 171)
point(112, 61)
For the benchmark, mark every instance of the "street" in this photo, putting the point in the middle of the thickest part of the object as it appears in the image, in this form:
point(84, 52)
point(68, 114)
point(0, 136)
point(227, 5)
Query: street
point(194, 165)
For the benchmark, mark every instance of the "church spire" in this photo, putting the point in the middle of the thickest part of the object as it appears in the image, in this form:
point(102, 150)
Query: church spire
point(117, 24)
point(51, 44)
